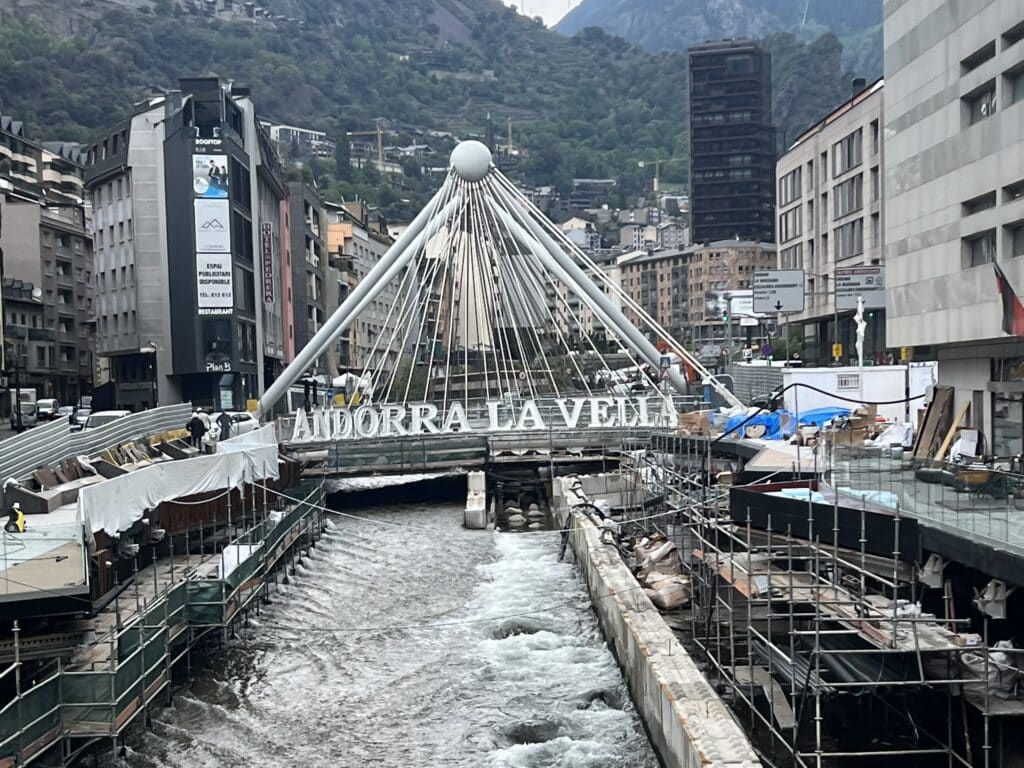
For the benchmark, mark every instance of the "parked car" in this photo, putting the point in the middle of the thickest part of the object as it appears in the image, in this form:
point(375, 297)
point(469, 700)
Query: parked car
point(79, 416)
point(66, 412)
point(242, 422)
point(29, 416)
point(46, 409)
point(101, 418)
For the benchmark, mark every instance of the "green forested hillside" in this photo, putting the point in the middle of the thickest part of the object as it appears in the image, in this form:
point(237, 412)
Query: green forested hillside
point(591, 105)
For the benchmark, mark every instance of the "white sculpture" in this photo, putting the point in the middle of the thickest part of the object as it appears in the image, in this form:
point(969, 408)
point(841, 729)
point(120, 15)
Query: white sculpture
point(862, 325)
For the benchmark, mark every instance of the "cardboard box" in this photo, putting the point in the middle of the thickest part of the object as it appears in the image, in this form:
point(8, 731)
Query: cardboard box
point(695, 423)
point(967, 640)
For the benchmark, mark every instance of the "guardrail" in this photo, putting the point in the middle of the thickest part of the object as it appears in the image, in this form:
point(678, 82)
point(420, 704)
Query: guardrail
point(54, 442)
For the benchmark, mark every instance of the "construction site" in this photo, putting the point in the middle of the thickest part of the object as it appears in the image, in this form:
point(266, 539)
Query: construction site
point(851, 602)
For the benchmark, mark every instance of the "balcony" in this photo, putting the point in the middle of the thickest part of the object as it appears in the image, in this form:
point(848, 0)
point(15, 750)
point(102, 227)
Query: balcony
point(16, 332)
point(42, 334)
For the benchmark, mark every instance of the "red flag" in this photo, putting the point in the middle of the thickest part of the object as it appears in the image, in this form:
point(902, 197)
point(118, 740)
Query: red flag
point(1013, 310)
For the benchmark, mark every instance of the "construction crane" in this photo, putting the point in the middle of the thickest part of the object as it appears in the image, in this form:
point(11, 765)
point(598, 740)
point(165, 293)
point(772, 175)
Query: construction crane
point(379, 133)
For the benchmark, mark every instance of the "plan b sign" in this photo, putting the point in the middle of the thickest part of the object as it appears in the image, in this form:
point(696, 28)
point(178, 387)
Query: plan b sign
point(778, 291)
point(867, 283)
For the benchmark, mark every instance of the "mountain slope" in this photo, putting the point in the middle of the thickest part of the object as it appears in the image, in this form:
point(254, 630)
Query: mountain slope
point(673, 25)
point(591, 105)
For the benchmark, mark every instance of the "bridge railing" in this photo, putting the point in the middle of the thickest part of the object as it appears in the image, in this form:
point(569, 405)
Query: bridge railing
point(408, 453)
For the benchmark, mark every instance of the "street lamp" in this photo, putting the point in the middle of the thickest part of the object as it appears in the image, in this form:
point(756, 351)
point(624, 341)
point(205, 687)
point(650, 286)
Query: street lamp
point(152, 349)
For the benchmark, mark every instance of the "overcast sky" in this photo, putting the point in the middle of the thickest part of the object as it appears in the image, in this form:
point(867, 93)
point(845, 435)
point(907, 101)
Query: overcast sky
point(549, 10)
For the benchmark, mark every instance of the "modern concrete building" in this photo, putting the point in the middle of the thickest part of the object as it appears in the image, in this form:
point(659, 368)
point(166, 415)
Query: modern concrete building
point(954, 198)
point(46, 263)
point(185, 194)
point(830, 213)
point(732, 142)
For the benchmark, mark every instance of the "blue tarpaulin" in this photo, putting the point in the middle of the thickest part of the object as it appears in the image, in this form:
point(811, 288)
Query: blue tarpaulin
point(817, 417)
point(778, 425)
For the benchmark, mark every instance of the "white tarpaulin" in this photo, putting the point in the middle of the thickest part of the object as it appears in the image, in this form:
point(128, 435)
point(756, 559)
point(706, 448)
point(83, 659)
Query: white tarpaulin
point(118, 503)
point(260, 450)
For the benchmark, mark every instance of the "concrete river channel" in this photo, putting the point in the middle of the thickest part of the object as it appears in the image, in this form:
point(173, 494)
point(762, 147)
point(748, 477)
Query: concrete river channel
point(405, 640)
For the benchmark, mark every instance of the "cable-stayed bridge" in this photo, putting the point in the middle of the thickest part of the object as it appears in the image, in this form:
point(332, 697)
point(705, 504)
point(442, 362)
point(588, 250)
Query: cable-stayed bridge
point(500, 327)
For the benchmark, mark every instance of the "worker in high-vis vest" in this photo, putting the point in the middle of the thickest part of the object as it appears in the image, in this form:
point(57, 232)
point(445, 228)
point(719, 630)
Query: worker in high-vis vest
point(15, 519)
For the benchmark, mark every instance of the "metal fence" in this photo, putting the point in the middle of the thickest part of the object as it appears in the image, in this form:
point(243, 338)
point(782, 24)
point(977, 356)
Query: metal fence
point(52, 443)
point(750, 381)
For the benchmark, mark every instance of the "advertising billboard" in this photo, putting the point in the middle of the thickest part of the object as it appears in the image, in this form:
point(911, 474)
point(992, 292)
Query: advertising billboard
point(738, 304)
point(215, 289)
point(213, 226)
point(210, 176)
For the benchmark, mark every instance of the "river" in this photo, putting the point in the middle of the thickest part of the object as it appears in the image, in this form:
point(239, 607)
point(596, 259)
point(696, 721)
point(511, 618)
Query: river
point(408, 641)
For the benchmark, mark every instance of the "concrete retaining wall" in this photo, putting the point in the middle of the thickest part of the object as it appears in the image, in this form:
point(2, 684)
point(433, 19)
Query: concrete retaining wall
point(688, 723)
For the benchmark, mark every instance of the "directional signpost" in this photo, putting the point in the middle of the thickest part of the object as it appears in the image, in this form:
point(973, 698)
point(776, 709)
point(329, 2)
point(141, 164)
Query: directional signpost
point(779, 290)
point(867, 283)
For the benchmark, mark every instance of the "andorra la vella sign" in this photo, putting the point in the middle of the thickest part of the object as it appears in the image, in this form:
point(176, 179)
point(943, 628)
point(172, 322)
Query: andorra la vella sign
point(387, 420)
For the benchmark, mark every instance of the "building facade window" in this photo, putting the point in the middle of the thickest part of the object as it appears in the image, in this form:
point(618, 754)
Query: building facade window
point(789, 187)
point(980, 249)
point(848, 196)
point(981, 104)
point(849, 239)
point(1015, 239)
point(979, 203)
point(790, 225)
point(792, 257)
point(1015, 85)
point(848, 153)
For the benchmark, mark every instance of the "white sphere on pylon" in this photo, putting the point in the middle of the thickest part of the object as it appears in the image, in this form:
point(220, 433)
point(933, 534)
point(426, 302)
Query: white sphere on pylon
point(471, 160)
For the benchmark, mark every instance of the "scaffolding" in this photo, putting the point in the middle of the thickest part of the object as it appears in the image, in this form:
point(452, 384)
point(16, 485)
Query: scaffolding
point(809, 629)
point(150, 630)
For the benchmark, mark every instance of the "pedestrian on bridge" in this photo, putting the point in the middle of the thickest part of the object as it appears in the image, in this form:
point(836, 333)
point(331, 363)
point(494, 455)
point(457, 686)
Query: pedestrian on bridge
point(196, 428)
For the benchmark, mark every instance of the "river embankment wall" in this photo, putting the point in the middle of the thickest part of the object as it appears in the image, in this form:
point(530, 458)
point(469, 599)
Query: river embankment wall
point(688, 723)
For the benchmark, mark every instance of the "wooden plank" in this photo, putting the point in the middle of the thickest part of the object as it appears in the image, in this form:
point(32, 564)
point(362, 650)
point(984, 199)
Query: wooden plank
point(781, 710)
point(934, 416)
point(952, 431)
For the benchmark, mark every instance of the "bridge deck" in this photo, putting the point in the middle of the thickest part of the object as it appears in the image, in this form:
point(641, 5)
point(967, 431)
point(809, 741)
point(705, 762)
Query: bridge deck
point(448, 451)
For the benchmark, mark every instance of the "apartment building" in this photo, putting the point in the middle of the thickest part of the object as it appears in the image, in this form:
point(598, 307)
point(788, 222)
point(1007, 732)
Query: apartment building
point(719, 272)
point(830, 215)
point(46, 264)
point(658, 281)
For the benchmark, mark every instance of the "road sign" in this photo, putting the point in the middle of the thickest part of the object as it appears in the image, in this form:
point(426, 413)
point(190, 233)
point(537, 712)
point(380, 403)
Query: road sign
point(666, 362)
point(779, 290)
point(866, 282)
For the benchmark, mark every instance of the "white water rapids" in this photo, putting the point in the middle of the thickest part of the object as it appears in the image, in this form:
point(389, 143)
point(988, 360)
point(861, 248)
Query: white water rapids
point(410, 647)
